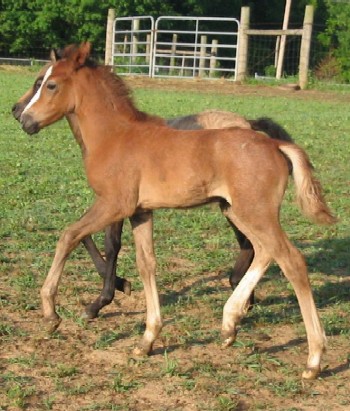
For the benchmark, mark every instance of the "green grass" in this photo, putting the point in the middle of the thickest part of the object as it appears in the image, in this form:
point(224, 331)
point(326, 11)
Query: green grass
point(43, 189)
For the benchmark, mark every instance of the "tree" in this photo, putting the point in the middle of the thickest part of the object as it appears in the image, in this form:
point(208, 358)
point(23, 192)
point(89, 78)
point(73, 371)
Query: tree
point(336, 37)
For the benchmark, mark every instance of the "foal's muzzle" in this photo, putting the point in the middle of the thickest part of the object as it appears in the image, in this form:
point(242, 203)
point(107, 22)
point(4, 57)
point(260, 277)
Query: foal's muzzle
point(29, 125)
point(17, 110)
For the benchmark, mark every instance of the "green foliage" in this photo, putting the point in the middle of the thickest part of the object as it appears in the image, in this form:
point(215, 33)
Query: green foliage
point(31, 28)
point(336, 37)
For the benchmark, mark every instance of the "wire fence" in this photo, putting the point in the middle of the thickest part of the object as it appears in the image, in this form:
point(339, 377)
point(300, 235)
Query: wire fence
point(262, 59)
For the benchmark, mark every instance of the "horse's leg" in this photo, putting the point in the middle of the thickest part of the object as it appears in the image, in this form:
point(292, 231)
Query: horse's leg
point(112, 248)
point(97, 218)
point(95, 255)
point(237, 305)
point(112, 239)
point(113, 244)
point(243, 261)
point(142, 226)
point(294, 268)
point(271, 242)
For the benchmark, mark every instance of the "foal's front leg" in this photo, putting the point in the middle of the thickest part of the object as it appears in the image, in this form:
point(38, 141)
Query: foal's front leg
point(97, 218)
point(142, 226)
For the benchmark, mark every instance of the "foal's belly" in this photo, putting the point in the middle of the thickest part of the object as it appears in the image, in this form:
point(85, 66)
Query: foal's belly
point(181, 195)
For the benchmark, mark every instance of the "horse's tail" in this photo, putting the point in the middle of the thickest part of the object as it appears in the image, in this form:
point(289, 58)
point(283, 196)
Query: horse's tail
point(308, 188)
point(271, 128)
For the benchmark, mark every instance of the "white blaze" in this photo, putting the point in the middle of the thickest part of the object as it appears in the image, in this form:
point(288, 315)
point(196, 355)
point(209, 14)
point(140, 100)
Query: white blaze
point(37, 94)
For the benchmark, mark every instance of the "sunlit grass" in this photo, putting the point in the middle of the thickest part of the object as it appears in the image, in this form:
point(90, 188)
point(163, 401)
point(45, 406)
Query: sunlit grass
point(43, 189)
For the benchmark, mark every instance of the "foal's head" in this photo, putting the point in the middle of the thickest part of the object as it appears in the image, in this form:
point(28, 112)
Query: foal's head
point(23, 101)
point(51, 97)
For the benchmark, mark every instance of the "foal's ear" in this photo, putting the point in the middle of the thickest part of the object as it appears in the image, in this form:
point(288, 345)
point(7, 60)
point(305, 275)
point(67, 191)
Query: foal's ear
point(83, 53)
point(55, 55)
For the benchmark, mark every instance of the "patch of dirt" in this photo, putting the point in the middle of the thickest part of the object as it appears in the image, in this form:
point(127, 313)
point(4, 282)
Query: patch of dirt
point(78, 368)
point(229, 87)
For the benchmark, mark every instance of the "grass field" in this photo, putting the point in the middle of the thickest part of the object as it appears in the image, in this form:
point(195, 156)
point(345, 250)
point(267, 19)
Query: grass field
point(88, 366)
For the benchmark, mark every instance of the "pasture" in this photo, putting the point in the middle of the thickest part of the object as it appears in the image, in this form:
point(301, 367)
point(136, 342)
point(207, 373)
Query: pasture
point(89, 365)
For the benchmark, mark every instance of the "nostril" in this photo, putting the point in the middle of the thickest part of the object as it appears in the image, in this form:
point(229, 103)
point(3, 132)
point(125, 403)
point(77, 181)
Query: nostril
point(14, 108)
point(17, 111)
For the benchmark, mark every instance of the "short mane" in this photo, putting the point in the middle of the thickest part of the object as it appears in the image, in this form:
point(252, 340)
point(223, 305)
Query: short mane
point(117, 90)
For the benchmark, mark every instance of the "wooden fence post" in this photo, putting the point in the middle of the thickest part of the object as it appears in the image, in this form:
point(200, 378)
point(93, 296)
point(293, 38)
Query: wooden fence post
point(243, 44)
point(134, 45)
point(282, 42)
point(109, 38)
point(173, 54)
point(213, 54)
point(305, 46)
point(202, 55)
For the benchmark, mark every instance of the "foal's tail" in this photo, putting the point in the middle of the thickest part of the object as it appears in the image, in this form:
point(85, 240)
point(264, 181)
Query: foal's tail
point(271, 128)
point(308, 188)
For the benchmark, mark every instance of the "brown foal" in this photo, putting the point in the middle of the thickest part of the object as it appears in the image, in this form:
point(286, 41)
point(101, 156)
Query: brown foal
point(135, 165)
point(209, 119)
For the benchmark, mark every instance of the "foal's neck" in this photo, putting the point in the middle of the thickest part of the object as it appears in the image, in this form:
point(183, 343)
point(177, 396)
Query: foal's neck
point(74, 126)
point(105, 110)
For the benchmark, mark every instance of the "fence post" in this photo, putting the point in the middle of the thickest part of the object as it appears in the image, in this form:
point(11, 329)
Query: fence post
point(243, 44)
point(134, 46)
point(213, 54)
point(305, 46)
point(109, 37)
point(202, 55)
point(148, 48)
point(282, 42)
point(173, 54)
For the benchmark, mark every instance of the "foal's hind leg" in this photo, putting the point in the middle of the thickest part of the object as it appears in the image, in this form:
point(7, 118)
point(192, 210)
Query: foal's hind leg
point(294, 268)
point(237, 305)
point(142, 226)
point(243, 261)
point(271, 242)
point(110, 282)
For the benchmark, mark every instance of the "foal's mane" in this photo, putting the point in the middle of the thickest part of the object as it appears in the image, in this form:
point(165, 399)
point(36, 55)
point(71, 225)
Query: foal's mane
point(121, 95)
point(116, 89)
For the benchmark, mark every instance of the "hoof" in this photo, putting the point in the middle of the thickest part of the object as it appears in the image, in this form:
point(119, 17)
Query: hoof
point(51, 325)
point(311, 373)
point(90, 313)
point(141, 351)
point(127, 287)
point(228, 339)
point(228, 342)
point(88, 316)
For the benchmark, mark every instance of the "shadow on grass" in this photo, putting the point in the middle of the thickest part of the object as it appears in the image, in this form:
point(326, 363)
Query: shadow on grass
point(336, 370)
point(197, 289)
point(331, 258)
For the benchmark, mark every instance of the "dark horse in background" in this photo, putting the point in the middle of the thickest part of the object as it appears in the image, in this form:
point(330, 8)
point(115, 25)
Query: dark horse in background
point(136, 164)
point(207, 120)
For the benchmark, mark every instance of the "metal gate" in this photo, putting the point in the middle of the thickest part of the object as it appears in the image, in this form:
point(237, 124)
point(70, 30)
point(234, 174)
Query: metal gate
point(176, 46)
point(133, 42)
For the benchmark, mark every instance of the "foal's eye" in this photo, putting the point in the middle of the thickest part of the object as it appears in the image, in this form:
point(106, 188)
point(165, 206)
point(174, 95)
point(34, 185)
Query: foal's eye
point(38, 84)
point(51, 85)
